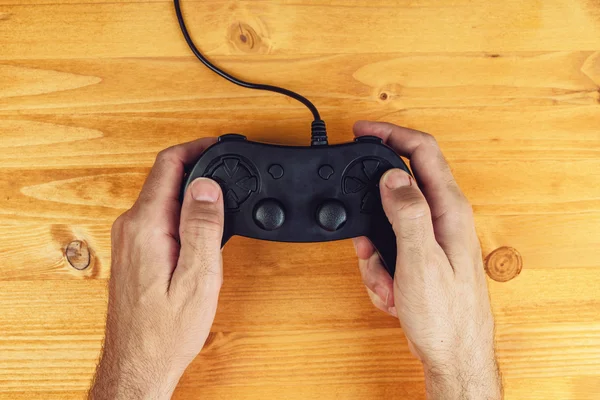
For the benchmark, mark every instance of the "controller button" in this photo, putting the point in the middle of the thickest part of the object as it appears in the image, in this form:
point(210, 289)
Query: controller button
point(331, 215)
point(370, 168)
point(231, 165)
point(248, 183)
point(230, 136)
point(353, 185)
point(276, 171)
point(368, 202)
point(269, 214)
point(369, 139)
point(325, 171)
point(231, 200)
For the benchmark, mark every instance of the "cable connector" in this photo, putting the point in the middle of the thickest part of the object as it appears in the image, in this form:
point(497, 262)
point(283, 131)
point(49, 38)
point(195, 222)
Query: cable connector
point(318, 131)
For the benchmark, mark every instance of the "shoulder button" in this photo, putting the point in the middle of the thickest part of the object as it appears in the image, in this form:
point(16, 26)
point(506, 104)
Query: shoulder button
point(231, 136)
point(369, 139)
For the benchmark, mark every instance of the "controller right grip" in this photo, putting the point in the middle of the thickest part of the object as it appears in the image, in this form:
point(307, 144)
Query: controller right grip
point(384, 240)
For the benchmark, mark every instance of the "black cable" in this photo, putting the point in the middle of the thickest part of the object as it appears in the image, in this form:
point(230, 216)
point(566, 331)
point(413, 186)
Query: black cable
point(319, 134)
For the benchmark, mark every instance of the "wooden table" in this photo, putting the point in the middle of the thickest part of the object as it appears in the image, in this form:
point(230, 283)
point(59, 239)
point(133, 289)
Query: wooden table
point(91, 90)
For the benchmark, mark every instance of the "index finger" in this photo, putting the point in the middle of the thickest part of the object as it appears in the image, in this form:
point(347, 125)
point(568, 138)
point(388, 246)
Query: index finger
point(426, 161)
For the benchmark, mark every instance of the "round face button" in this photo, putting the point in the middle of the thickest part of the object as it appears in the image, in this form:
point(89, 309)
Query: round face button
point(331, 215)
point(325, 171)
point(276, 171)
point(269, 214)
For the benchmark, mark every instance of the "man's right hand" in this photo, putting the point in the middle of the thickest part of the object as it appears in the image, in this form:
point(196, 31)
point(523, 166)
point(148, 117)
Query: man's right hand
point(439, 291)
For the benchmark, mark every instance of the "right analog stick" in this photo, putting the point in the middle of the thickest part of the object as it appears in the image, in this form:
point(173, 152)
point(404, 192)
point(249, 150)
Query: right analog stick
point(331, 215)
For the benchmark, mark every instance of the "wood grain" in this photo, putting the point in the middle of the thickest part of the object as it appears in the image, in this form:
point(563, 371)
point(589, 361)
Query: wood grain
point(91, 90)
point(289, 28)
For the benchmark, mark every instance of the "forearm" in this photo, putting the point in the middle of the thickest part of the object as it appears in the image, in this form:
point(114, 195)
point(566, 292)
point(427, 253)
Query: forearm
point(464, 381)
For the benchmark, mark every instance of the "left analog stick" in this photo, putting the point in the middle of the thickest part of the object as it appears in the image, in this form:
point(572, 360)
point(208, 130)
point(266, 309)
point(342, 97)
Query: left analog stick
point(269, 214)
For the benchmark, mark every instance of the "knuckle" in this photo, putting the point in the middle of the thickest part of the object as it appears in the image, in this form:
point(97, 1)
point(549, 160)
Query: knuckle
point(203, 266)
point(412, 208)
point(410, 219)
point(166, 154)
point(429, 140)
point(122, 222)
point(166, 158)
point(127, 223)
point(200, 224)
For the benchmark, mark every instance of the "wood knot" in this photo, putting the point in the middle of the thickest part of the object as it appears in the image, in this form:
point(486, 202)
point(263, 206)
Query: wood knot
point(503, 264)
point(387, 93)
point(244, 38)
point(78, 254)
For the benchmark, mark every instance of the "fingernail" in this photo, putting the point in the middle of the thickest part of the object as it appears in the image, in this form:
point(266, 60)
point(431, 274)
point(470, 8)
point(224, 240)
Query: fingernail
point(392, 310)
point(384, 295)
point(204, 189)
point(396, 178)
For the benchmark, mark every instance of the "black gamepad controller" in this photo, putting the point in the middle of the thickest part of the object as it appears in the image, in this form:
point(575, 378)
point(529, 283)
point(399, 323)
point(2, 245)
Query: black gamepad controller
point(303, 194)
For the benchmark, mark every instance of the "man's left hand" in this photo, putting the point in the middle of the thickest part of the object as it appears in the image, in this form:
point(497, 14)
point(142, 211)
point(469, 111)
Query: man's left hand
point(166, 275)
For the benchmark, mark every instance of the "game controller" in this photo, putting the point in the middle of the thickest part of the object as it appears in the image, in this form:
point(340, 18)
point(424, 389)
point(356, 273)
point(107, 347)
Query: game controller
point(311, 193)
point(303, 194)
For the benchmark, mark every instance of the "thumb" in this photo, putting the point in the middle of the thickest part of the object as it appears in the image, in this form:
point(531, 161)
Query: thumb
point(410, 216)
point(200, 234)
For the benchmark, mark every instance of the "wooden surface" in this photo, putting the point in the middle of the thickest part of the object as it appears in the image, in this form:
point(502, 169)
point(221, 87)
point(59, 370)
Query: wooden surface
point(91, 90)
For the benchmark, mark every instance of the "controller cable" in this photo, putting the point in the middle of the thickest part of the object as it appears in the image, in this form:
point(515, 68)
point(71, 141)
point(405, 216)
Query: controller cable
point(318, 130)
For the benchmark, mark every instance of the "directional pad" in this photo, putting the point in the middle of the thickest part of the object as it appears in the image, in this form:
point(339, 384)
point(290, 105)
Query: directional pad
point(231, 200)
point(370, 168)
point(353, 185)
point(369, 202)
point(362, 179)
point(231, 165)
point(237, 180)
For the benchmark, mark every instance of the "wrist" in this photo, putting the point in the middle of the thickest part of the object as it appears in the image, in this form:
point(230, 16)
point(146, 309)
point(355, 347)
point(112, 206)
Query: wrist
point(133, 378)
point(464, 380)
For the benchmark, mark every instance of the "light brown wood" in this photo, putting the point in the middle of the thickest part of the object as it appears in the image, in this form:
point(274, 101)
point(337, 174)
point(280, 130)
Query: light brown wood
point(91, 90)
